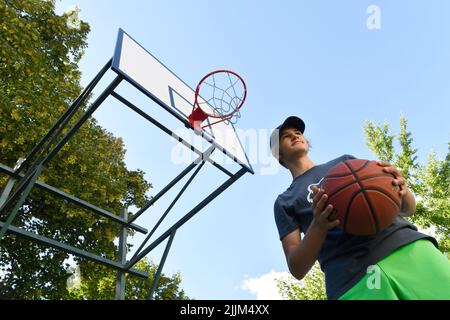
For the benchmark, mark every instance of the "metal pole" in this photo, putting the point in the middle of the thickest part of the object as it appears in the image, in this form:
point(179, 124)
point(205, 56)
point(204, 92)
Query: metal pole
point(74, 251)
point(160, 267)
point(84, 117)
point(19, 203)
point(58, 127)
point(64, 119)
point(43, 161)
point(203, 156)
point(191, 178)
point(10, 184)
point(83, 204)
point(7, 190)
point(188, 216)
point(122, 258)
point(162, 192)
point(173, 134)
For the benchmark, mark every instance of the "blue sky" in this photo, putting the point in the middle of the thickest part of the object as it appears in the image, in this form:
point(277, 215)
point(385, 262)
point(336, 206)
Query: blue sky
point(314, 59)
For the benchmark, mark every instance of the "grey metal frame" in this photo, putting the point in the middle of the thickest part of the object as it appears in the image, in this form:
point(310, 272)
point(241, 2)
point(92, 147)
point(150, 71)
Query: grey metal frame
point(20, 184)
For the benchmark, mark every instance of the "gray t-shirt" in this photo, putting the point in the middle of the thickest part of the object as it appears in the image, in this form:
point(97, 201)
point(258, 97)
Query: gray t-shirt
point(344, 258)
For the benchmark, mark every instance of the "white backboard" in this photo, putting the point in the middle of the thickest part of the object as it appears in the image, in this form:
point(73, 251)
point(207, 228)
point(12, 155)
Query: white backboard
point(149, 75)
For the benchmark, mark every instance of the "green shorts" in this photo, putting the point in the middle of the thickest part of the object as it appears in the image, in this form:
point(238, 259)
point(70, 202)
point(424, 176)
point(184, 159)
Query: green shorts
point(416, 271)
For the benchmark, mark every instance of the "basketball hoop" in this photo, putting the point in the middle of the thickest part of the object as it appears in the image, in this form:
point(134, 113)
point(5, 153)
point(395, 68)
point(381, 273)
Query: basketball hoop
point(219, 95)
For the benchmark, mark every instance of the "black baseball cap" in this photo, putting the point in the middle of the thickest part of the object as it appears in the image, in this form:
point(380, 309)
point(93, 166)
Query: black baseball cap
point(290, 122)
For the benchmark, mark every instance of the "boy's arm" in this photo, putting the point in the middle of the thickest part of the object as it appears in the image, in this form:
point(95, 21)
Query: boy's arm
point(301, 254)
point(408, 204)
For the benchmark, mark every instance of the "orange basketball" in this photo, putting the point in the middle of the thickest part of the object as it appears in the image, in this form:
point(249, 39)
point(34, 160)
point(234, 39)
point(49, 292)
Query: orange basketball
point(363, 197)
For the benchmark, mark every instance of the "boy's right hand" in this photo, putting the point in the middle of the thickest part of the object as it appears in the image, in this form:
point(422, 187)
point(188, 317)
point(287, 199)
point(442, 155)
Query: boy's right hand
point(323, 219)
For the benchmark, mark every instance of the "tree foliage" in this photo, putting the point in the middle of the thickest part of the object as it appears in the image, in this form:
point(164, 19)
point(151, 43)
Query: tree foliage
point(39, 79)
point(429, 182)
point(311, 287)
point(136, 288)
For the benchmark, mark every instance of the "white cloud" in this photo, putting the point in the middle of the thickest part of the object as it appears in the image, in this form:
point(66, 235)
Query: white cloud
point(265, 286)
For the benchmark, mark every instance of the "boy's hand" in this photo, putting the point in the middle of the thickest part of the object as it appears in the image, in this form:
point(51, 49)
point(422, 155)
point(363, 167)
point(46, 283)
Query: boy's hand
point(399, 181)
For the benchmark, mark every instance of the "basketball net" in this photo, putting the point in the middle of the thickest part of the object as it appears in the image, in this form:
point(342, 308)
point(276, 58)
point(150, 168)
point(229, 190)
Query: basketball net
point(219, 95)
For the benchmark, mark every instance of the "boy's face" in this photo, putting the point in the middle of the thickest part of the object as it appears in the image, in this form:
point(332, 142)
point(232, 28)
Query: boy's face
point(292, 143)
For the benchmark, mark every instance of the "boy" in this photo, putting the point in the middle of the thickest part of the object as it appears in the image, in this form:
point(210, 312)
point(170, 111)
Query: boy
point(407, 263)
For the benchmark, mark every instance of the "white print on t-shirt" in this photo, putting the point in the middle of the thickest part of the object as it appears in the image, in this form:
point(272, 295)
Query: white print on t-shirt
point(310, 192)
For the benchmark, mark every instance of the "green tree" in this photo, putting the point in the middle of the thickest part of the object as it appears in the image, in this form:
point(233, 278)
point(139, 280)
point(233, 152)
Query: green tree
point(136, 288)
point(311, 287)
point(430, 182)
point(39, 78)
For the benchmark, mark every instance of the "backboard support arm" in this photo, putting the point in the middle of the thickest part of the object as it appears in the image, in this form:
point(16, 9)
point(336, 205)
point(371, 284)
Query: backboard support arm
point(22, 183)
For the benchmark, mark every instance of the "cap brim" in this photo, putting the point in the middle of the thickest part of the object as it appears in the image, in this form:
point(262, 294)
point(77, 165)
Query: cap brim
point(293, 122)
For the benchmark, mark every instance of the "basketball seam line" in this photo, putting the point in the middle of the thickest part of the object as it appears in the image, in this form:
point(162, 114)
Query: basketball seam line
point(362, 179)
point(377, 228)
point(386, 194)
point(372, 189)
point(348, 208)
point(343, 175)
